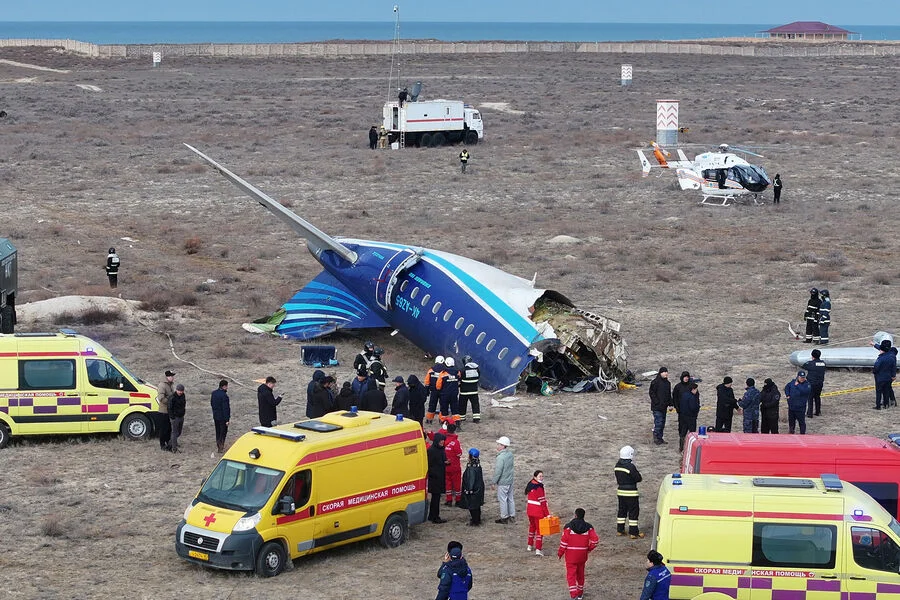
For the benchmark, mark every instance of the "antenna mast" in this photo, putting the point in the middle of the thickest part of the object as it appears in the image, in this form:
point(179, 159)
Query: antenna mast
point(396, 53)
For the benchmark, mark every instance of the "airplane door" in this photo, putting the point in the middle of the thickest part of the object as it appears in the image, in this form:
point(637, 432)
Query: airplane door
point(391, 271)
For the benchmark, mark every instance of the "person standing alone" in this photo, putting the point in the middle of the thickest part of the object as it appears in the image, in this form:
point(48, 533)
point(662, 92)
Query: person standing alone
point(473, 487)
point(660, 399)
point(536, 510)
point(265, 397)
point(627, 478)
point(797, 394)
point(776, 188)
point(504, 472)
point(112, 268)
point(578, 540)
point(221, 410)
point(373, 137)
point(463, 160)
point(437, 473)
point(769, 398)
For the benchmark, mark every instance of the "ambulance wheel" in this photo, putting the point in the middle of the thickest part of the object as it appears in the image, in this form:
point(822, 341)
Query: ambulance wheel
point(270, 560)
point(471, 138)
point(136, 426)
point(425, 140)
point(4, 436)
point(395, 532)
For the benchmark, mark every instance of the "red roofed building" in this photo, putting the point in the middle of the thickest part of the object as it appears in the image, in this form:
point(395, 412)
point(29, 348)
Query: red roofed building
point(810, 30)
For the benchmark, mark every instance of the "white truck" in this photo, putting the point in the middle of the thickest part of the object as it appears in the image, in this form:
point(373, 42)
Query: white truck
point(432, 123)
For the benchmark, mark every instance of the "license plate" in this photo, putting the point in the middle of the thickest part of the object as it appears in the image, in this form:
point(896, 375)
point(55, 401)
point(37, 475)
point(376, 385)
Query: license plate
point(198, 555)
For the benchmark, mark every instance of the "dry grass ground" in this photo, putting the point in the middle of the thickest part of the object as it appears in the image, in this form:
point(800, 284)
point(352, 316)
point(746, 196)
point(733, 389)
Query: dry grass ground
point(694, 287)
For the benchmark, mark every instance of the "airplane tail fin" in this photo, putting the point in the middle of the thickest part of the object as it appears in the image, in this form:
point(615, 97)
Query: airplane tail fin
point(317, 238)
point(645, 164)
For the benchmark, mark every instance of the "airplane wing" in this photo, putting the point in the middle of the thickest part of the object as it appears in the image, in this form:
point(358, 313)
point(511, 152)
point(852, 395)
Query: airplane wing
point(317, 239)
point(323, 306)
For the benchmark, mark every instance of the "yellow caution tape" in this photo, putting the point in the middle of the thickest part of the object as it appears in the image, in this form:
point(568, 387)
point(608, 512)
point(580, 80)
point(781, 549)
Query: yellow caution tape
point(867, 388)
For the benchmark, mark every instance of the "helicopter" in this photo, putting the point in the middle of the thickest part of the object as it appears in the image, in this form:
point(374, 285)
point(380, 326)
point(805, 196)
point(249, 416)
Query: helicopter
point(721, 176)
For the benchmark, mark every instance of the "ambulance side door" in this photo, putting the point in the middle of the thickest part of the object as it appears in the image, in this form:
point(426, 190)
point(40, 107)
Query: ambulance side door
point(298, 527)
point(107, 392)
point(48, 399)
point(872, 561)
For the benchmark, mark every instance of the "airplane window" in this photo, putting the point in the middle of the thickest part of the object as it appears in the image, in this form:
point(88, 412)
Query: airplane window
point(448, 314)
point(404, 285)
point(414, 292)
point(459, 322)
point(436, 307)
point(503, 353)
point(490, 345)
point(469, 330)
point(515, 362)
point(480, 337)
point(425, 299)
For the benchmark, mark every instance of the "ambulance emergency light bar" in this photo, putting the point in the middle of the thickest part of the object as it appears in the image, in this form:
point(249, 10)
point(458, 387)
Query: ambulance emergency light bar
point(287, 435)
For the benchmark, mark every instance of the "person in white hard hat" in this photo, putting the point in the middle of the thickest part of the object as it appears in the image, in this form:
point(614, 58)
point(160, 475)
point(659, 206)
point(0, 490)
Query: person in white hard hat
point(431, 379)
point(503, 481)
point(627, 478)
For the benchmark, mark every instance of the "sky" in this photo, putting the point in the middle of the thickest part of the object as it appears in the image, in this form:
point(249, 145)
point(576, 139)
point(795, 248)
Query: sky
point(835, 12)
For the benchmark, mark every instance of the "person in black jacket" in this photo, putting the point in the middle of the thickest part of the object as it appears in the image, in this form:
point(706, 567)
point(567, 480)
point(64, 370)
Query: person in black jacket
point(316, 378)
point(373, 398)
point(400, 404)
point(769, 397)
point(689, 410)
point(627, 478)
point(322, 399)
point(347, 398)
point(812, 317)
point(473, 487)
point(373, 137)
point(454, 574)
point(177, 408)
point(417, 395)
point(267, 401)
point(660, 400)
point(726, 404)
point(437, 469)
point(221, 410)
point(815, 374)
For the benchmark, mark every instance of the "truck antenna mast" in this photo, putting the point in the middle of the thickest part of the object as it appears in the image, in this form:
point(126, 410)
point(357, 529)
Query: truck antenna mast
point(396, 55)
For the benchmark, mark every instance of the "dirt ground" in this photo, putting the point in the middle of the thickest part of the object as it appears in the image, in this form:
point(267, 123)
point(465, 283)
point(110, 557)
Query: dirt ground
point(695, 287)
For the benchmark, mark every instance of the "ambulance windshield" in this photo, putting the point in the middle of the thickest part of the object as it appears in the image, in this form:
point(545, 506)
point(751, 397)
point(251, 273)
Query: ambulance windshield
point(240, 486)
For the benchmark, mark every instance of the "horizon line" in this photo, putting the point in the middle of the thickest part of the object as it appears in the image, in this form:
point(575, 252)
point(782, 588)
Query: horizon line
point(430, 21)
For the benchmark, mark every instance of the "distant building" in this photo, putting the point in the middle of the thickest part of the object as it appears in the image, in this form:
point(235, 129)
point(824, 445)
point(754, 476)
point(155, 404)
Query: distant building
point(810, 30)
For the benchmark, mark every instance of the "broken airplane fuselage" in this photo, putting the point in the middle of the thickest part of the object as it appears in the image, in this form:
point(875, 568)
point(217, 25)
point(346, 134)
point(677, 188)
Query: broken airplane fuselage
point(443, 303)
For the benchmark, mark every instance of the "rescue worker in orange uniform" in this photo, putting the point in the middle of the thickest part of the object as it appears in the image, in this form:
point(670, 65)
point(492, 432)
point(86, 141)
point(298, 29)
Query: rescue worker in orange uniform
point(448, 389)
point(578, 540)
point(431, 379)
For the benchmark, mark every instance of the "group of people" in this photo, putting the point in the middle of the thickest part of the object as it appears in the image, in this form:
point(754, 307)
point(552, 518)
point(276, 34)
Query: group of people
point(378, 137)
point(818, 316)
point(758, 407)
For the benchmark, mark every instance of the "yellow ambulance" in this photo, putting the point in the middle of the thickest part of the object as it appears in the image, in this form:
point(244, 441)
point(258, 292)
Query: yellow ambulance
point(65, 383)
point(775, 538)
point(283, 492)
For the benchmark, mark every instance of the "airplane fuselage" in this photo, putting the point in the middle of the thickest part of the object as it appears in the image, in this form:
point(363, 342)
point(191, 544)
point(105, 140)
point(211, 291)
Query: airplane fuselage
point(438, 301)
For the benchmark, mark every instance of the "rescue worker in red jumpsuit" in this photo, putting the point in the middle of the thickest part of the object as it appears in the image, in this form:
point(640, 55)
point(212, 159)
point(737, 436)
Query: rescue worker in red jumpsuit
point(578, 540)
point(453, 474)
point(536, 510)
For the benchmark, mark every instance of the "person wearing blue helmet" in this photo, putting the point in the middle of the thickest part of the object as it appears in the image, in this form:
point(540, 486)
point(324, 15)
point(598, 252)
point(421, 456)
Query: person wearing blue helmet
point(473, 487)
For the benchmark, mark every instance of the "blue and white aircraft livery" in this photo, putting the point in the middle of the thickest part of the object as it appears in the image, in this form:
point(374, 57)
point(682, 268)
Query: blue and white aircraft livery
point(445, 304)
